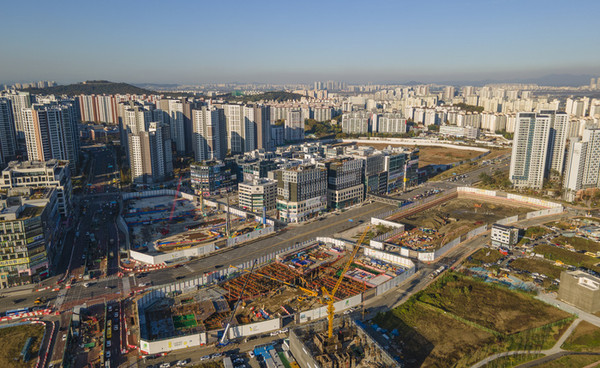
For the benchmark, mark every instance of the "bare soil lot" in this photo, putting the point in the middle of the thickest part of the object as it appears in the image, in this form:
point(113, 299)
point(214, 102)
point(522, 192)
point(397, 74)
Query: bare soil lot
point(12, 341)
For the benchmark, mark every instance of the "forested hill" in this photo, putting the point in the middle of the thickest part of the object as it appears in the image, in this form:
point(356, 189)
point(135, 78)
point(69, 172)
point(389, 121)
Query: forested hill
point(91, 87)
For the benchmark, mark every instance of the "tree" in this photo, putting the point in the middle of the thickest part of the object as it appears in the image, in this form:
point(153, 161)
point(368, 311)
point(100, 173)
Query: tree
point(433, 128)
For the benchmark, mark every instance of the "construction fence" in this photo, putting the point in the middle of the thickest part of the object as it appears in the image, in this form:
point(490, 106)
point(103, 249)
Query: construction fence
point(380, 244)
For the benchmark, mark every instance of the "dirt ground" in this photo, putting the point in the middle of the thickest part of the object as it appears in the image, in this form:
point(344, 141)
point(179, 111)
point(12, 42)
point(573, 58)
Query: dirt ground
point(12, 341)
point(432, 155)
point(459, 216)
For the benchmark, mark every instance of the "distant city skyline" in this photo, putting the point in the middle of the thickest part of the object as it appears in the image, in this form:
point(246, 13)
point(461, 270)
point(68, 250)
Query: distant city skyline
point(279, 42)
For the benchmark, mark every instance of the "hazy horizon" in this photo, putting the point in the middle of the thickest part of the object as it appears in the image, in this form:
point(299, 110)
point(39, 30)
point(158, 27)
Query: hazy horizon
point(273, 42)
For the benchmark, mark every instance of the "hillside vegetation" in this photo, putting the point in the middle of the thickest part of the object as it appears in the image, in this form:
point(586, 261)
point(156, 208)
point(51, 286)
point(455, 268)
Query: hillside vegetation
point(91, 87)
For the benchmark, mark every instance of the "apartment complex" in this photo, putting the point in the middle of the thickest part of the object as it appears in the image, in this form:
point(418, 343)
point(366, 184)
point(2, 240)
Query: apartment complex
point(51, 132)
point(150, 154)
point(538, 147)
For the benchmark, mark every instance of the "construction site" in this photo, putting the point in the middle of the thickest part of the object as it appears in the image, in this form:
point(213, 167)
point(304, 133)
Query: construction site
point(349, 346)
point(431, 228)
point(301, 280)
point(165, 224)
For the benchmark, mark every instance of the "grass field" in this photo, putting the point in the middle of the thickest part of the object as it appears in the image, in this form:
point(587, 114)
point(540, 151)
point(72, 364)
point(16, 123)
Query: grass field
point(512, 361)
point(537, 265)
point(485, 255)
point(580, 243)
point(567, 256)
point(585, 337)
point(12, 341)
point(458, 320)
point(571, 361)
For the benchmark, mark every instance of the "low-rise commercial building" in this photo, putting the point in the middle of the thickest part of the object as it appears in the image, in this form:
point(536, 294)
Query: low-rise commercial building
point(301, 192)
point(504, 236)
point(459, 131)
point(257, 195)
point(210, 177)
point(581, 290)
point(35, 174)
point(344, 182)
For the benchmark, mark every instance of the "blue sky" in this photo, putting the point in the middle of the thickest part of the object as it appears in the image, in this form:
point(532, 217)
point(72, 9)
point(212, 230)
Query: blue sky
point(289, 41)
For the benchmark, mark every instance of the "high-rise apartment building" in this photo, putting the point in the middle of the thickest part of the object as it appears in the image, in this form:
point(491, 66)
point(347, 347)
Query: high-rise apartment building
point(19, 100)
point(538, 147)
point(210, 134)
point(235, 124)
point(51, 132)
point(150, 154)
point(262, 117)
point(8, 139)
point(294, 126)
point(356, 122)
point(393, 123)
point(582, 169)
point(301, 192)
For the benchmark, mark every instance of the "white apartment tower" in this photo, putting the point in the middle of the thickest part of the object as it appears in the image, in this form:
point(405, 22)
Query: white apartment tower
point(51, 132)
point(234, 120)
point(209, 134)
point(583, 163)
point(530, 151)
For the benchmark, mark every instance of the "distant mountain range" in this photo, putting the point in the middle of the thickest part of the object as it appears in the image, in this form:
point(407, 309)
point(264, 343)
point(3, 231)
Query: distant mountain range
point(92, 87)
point(551, 80)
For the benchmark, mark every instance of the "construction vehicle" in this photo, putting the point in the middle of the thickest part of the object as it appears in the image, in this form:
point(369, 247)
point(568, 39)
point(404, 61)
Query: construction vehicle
point(39, 301)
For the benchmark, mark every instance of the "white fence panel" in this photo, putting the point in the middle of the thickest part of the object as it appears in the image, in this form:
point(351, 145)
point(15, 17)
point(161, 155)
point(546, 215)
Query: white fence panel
point(255, 328)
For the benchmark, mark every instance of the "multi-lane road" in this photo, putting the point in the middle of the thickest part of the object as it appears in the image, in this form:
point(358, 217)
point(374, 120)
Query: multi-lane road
point(98, 217)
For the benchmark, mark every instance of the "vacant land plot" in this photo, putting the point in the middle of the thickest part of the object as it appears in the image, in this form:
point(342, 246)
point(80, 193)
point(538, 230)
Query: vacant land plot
point(460, 320)
point(537, 266)
point(12, 341)
point(432, 155)
point(585, 337)
point(469, 166)
point(485, 255)
point(579, 243)
point(490, 306)
point(567, 257)
point(571, 361)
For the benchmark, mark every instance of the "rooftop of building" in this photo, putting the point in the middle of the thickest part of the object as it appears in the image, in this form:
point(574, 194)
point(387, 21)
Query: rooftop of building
point(27, 165)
